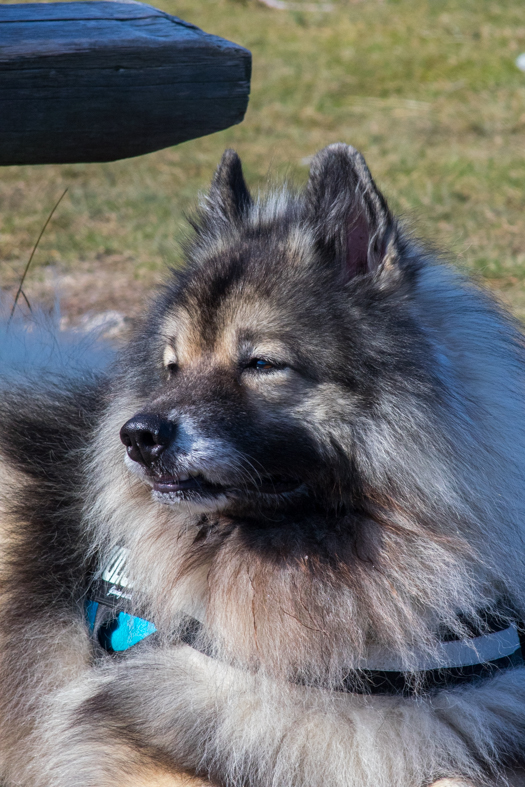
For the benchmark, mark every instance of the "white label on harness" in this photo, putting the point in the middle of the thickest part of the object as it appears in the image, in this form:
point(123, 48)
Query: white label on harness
point(114, 571)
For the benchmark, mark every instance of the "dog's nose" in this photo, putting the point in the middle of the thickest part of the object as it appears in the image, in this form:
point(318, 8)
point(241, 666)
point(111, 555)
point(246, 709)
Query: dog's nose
point(146, 436)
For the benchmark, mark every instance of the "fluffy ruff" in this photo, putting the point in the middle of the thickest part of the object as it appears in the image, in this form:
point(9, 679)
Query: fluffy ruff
point(335, 470)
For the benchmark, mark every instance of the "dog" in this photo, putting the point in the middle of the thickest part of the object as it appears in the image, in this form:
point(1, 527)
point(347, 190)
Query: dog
point(279, 540)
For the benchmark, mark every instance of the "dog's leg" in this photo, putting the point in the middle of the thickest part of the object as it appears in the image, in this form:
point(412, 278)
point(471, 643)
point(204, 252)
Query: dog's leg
point(140, 722)
point(37, 658)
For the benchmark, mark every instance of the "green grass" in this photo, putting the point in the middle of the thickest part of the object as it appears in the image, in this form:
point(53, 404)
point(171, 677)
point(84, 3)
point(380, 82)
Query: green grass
point(427, 90)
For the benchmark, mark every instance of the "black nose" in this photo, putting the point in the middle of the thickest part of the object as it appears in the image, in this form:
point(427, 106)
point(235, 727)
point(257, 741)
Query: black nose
point(146, 437)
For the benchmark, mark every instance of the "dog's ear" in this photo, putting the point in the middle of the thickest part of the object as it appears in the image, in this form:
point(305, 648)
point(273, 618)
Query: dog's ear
point(350, 217)
point(228, 199)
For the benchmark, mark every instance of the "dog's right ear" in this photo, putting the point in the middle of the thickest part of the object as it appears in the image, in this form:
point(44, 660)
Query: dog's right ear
point(228, 199)
point(350, 217)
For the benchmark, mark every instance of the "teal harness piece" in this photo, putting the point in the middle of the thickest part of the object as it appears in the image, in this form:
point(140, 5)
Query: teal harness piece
point(119, 633)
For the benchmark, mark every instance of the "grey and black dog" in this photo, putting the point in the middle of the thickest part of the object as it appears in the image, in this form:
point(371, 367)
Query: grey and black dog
point(281, 543)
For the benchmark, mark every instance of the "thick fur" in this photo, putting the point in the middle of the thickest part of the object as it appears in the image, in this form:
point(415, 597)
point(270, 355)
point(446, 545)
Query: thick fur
point(310, 343)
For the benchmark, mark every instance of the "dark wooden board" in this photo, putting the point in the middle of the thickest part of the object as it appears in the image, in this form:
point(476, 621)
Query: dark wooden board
point(99, 81)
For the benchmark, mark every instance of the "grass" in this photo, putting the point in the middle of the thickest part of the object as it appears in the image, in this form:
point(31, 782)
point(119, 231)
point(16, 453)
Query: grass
point(427, 89)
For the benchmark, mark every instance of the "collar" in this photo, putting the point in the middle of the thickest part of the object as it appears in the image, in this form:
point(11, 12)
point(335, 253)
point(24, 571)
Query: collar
point(486, 650)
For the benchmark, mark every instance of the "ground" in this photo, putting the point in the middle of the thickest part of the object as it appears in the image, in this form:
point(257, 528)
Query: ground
point(428, 91)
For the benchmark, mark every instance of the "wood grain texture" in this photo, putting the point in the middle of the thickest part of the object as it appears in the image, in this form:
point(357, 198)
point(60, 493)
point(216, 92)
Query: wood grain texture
point(99, 81)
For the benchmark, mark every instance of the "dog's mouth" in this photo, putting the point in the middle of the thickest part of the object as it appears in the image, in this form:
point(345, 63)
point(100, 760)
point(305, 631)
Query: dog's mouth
point(187, 486)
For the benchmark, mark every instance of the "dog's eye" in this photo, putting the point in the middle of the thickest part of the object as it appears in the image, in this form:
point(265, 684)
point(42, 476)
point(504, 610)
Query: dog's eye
point(263, 365)
point(170, 360)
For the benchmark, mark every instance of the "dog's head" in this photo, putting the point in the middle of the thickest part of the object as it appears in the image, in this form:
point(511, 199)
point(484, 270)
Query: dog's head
point(281, 336)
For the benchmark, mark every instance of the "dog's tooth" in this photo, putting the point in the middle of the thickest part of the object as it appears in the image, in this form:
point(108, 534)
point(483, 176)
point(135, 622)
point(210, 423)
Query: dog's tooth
point(184, 477)
point(193, 473)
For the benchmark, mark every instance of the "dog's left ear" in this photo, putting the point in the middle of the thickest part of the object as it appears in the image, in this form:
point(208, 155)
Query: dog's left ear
point(348, 213)
point(228, 199)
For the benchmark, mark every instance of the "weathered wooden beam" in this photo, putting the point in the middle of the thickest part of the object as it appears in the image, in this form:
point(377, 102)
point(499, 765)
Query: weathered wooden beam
point(99, 81)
